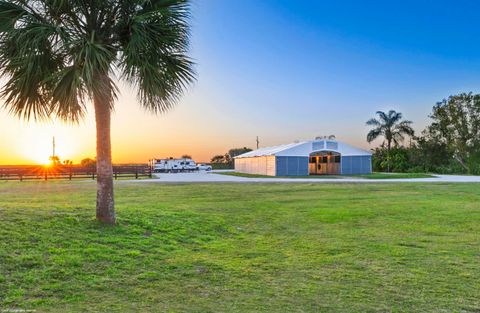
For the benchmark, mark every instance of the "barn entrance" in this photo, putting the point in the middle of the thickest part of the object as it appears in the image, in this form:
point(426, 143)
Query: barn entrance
point(324, 163)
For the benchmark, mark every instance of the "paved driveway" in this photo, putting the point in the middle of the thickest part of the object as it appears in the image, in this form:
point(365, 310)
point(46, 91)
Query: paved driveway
point(204, 177)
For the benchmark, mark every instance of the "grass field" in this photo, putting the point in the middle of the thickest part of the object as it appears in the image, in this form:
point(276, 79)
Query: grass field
point(238, 174)
point(380, 175)
point(241, 248)
point(376, 175)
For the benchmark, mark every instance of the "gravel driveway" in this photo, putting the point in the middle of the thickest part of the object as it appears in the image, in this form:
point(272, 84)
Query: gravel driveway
point(208, 177)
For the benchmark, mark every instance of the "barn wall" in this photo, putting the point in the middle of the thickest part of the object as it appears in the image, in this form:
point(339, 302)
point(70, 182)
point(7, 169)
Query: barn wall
point(264, 165)
point(351, 165)
point(291, 166)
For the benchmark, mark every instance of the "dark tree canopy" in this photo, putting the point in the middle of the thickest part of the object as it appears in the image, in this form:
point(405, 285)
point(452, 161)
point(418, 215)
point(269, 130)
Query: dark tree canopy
point(456, 124)
point(88, 162)
point(52, 53)
point(237, 151)
point(390, 126)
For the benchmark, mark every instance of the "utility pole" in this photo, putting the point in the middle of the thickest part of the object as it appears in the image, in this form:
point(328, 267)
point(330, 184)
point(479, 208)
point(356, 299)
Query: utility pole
point(257, 142)
point(53, 147)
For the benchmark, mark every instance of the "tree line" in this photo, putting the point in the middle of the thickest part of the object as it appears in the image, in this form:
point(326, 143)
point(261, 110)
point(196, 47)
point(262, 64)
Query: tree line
point(226, 161)
point(449, 145)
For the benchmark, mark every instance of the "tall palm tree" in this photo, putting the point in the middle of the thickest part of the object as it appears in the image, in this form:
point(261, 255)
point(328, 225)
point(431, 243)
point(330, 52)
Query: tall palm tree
point(57, 55)
point(391, 127)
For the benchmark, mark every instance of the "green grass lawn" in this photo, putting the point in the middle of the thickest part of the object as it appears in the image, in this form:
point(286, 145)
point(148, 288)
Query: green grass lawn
point(241, 248)
point(376, 175)
point(381, 175)
point(266, 176)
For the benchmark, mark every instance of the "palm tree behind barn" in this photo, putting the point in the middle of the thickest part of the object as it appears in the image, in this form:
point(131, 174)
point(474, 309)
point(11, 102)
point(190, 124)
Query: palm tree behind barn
point(391, 127)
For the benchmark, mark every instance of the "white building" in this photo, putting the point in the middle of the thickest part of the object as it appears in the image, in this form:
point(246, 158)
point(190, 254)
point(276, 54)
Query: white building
point(316, 157)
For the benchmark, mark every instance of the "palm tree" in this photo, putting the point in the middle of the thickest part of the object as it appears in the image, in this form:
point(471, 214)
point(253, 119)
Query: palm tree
point(391, 128)
point(57, 55)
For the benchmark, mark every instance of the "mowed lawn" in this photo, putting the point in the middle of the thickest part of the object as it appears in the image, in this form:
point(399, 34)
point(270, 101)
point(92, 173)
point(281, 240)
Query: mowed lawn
point(241, 248)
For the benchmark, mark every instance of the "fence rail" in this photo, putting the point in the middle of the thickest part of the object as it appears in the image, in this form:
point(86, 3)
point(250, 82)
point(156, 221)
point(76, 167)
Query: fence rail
point(40, 172)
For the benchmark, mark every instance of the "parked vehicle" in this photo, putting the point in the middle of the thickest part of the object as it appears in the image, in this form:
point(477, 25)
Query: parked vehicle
point(174, 165)
point(204, 167)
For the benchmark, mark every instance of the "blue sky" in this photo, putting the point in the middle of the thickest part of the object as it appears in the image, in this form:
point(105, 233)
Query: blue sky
point(292, 69)
point(284, 71)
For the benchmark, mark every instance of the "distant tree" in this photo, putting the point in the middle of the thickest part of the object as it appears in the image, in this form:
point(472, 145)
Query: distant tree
point(217, 159)
point(186, 156)
point(398, 161)
point(430, 154)
point(237, 151)
point(456, 124)
point(87, 162)
point(391, 127)
point(227, 158)
point(55, 160)
point(56, 55)
point(67, 162)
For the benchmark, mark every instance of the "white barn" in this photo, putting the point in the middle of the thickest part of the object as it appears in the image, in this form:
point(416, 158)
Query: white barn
point(314, 157)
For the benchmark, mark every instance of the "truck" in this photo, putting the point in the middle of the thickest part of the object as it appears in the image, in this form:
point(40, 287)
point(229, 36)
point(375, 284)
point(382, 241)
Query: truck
point(172, 165)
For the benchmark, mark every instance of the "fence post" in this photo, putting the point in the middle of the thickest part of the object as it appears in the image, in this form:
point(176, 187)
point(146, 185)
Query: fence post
point(93, 175)
point(21, 177)
point(136, 172)
point(70, 176)
point(115, 172)
point(46, 175)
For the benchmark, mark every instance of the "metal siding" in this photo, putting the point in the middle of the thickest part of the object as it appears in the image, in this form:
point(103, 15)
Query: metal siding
point(298, 166)
point(271, 166)
point(291, 166)
point(256, 165)
point(367, 164)
point(346, 166)
point(281, 165)
point(303, 166)
point(352, 165)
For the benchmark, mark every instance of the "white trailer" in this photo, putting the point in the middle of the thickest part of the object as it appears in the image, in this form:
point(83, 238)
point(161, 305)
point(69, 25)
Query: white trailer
point(174, 165)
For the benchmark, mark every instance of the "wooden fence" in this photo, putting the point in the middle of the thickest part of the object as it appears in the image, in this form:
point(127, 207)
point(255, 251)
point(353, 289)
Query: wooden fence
point(27, 172)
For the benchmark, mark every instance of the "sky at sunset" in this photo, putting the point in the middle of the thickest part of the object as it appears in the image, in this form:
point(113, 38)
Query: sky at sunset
point(283, 71)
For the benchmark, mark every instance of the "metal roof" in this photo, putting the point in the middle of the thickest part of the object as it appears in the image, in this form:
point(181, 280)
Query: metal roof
point(304, 148)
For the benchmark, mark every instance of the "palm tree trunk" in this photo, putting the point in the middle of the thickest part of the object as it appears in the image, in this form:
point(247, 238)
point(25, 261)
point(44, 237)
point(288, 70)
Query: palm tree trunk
point(389, 146)
point(105, 200)
point(462, 163)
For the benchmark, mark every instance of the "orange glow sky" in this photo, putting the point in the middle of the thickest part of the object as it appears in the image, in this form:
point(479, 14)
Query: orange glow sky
point(201, 125)
point(137, 135)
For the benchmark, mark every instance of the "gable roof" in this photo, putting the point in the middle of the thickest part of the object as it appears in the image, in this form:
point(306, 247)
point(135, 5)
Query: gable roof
point(304, 148)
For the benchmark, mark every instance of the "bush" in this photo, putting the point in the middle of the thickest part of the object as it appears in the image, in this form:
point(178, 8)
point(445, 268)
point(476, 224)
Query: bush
point(222, 166)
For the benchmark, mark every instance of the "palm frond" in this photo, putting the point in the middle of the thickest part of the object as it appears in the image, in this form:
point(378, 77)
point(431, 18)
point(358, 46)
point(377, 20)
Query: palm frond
point(389, 126)
point(374, 134)
point(27, 67)
point(383, 117)
point(68, 95)
point(404, 128)
point(373, 122)
point(70, 48)
point(394, 117)
point(10, 13)
point(154, 54)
